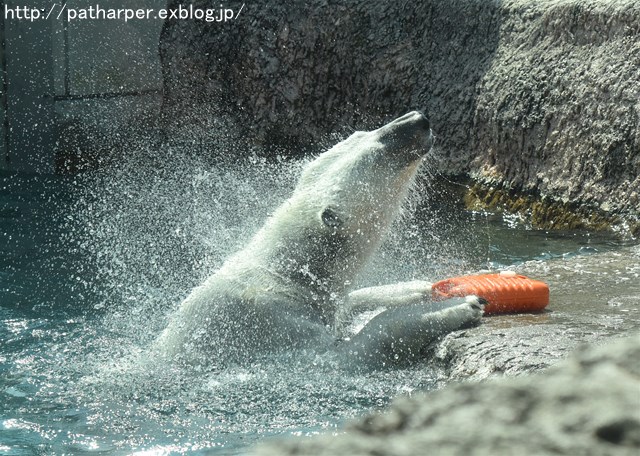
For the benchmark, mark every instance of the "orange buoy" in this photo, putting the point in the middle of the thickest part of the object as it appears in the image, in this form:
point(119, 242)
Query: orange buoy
point(506, 292)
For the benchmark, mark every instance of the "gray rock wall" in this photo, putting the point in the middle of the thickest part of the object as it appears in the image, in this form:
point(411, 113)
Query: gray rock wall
point(296, 71)
point(537, 97)
point(559, 110)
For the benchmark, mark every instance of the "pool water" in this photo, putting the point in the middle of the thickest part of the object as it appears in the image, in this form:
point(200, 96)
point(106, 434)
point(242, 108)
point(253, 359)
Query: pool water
point(92, 266)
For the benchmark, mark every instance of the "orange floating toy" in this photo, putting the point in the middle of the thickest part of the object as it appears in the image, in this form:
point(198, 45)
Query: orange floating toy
point(506, 292)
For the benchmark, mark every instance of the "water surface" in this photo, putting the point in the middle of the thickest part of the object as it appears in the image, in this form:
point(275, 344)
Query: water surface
point(92, 266)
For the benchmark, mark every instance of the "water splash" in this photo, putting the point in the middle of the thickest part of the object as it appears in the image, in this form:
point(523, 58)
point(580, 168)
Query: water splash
point(127, 244)
point(147, 236)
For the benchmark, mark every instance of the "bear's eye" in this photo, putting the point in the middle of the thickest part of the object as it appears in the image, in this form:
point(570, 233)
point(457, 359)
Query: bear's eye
point(330, 218)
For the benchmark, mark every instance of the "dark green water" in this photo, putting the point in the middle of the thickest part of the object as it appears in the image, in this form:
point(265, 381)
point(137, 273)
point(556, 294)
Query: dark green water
point(90, 268)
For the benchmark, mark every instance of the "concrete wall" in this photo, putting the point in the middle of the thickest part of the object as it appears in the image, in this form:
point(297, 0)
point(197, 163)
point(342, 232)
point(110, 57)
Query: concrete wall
point(29, 103)
point(71, 84)
point(3, 100)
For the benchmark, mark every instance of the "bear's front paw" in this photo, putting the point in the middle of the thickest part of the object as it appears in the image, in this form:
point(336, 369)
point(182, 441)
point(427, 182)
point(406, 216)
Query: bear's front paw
point(476, 302)
point(475, 309)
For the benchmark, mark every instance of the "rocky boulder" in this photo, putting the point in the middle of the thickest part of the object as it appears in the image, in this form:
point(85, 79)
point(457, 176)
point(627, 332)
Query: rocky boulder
point(588, 405)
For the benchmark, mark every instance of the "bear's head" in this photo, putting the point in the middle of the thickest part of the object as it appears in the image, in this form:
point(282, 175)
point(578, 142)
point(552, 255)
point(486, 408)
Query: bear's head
point(344, 204)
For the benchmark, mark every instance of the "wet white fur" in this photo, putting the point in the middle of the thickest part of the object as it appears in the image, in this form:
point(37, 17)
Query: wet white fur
point(290, 286)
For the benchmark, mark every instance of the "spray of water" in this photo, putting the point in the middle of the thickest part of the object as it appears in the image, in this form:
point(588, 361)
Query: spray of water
point(141, 234)
point(152, 233)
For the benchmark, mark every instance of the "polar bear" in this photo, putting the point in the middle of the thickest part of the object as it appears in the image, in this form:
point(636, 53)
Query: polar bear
point(289, 288)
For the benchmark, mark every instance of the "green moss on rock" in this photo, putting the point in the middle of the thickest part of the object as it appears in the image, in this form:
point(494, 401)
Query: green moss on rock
point(541, 212)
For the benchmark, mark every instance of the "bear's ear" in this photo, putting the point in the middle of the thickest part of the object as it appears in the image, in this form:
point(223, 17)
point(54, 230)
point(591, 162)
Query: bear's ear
point(330, 218)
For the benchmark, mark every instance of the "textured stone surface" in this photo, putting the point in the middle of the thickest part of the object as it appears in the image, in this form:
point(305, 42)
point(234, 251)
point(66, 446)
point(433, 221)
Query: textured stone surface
point(539, 97)
point(558, 112)
point(588, 405)
point(299, 70)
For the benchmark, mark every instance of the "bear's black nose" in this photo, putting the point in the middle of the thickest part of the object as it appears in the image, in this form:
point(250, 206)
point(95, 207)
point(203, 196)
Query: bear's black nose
point(415, 118)
point(409, 132)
